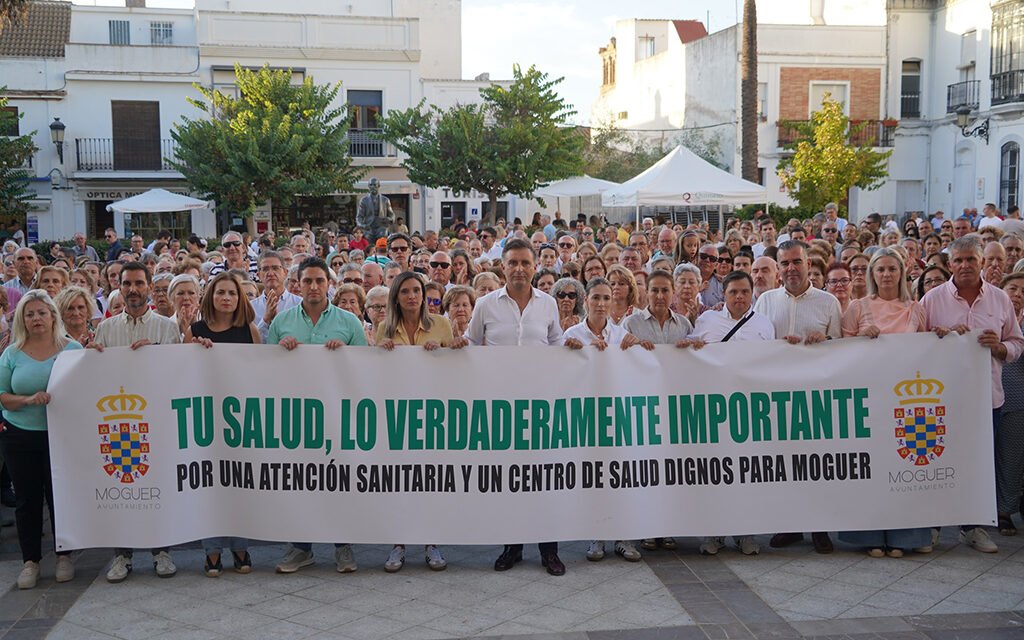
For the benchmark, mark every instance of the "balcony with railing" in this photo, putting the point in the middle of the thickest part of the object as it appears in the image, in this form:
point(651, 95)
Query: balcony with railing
point(910, 104)
point(1008, 87)
point(364, 143)
point(962, 94)
point(874, 133)
point(124, 154)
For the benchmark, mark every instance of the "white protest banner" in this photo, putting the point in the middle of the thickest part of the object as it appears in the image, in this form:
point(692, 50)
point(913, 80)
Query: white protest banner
point(170, 444)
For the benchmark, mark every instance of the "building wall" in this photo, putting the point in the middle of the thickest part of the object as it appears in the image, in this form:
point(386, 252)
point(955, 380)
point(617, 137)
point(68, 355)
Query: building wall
point(865, 90)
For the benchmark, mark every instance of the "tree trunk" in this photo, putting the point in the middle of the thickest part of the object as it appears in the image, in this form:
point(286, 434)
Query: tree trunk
point(491, 218)
point(748, 92)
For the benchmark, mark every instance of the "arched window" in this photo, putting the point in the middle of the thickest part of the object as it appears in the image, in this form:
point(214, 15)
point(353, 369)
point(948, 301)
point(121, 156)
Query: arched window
point(1009, 176)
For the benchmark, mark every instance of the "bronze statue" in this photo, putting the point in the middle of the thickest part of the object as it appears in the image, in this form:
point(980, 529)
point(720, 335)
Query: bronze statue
point(374, 213)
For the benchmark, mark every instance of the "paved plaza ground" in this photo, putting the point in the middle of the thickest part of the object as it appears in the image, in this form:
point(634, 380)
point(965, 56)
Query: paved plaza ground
point(953, 593)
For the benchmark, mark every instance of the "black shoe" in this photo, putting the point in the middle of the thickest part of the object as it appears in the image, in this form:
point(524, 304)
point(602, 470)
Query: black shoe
point(508, 558)
point(553, 564)
point(213, 569)
point(244, 564)
point(780, 540)
point(822, 543)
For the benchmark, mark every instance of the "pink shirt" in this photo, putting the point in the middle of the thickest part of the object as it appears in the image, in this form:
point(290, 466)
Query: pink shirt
point(890, 316)
point(991, 310)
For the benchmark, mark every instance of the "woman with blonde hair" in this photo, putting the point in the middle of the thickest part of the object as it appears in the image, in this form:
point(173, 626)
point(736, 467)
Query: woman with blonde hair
point(51, 279)
point(888, 307)
point(25, 366)
point(77, 308)
point(624, 292)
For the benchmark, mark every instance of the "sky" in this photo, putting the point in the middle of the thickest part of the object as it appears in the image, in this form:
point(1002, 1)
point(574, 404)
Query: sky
point(562, 37)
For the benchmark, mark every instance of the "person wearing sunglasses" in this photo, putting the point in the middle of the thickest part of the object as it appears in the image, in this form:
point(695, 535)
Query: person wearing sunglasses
point(711, 282)
point(408, 321)
point(566, 250)
point(399, 249)
point(440, 270)
point(236, 257)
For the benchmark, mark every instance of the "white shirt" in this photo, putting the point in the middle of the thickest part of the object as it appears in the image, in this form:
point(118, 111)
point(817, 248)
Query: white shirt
point(994, 221)
point(645, 326)
point(713, 325)
point(123, 330)
point(284, 303)
point(759, 249)
point(497, 320)
point(813, 310)
point(612, 334)
point(494, 253)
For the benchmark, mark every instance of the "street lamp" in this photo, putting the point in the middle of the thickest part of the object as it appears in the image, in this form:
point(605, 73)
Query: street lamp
point(963, 120)
point(57, 136)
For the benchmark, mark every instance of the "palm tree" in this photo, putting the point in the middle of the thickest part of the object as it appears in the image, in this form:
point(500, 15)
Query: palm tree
point(748, 93)
point(12, 11)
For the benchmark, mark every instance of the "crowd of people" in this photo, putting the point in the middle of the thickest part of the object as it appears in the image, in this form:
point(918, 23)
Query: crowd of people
point(550, 283)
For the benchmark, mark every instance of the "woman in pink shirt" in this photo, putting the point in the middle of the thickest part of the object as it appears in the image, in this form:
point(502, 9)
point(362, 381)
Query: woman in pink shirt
point(888, 307)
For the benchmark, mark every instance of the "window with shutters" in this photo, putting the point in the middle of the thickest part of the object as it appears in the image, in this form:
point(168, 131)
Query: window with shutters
point(161, 33)
point(119, 32)
point(136, 129)
point(1009, 176)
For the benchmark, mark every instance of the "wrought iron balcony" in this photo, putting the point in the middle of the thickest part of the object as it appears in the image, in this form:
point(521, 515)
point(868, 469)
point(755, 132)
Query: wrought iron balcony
point(962, 94)
point(875, 133)
point(910, 105)
point(124, 154)
point(1008, 87)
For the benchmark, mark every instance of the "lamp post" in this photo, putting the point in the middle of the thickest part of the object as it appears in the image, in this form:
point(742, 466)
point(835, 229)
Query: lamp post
point(963, 120)
point(57, 137)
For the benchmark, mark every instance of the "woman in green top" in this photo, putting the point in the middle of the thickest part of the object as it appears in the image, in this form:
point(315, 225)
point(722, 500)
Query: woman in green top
point(25, 366)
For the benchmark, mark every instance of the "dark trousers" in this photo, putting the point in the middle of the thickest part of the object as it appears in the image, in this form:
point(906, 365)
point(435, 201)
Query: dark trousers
point(27, 454)
point(544, 547)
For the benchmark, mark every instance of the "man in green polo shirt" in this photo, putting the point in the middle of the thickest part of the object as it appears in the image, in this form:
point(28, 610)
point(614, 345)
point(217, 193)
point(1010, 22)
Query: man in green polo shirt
point(315, 321)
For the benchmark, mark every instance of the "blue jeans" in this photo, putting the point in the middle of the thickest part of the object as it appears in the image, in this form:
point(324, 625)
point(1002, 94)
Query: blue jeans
point(308, 546)
point(216, 545)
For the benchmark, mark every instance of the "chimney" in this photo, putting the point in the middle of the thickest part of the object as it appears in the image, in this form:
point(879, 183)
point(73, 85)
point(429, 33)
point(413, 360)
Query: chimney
point(818, 12)
point(135, 4)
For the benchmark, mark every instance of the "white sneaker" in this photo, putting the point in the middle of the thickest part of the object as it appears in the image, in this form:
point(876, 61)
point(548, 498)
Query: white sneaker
point(65, 569)
point(29, 575)
point(163, 565)
point(595, 551)
point(294, 560)
point(396, 559)
point(748, 546)
point(435, 560)
point(712, 546)
point(979, 540)
point(119, 569)
point(627, 550)
point(345, 559)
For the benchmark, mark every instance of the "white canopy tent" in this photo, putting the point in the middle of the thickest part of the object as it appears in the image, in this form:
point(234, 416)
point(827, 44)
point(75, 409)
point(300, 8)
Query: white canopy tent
point(683, 179)
point(576, 187)
point(157, 201)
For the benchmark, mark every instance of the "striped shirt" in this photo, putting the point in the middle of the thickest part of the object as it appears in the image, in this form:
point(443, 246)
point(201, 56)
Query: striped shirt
point(123, 330)
point(254, 270)
point(644, 325)
point(812, 311)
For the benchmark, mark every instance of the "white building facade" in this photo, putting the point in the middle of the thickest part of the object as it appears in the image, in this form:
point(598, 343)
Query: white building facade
point(118, 79)
point(950, 56)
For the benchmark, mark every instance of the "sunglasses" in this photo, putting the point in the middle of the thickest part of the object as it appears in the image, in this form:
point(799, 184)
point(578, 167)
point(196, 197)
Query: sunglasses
point(566, 245)
point(400, 249)
point(547, 245)
point(434, 302)
point(562, 295)
point(708, 256)
point(830, 230)
point(440, 265)
point(352, 281)
point(232, 243)
point(724, 260)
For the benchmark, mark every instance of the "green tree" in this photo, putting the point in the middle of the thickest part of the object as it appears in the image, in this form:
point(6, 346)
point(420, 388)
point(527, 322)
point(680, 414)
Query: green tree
point(514, 142)
point(825, 166)
point(12, 11)
point(617, 155)
point(15, 153)
point(275, 142)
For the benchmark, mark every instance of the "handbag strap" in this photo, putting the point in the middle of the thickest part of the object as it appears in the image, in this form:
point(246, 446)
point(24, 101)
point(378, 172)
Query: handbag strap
point(737, 326)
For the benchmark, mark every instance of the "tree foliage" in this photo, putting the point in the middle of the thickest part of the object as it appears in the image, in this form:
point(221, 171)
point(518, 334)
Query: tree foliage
point(617, 155)
point(12, 11)
point(274, 142)
point(514, 142)
point(15, 153)
point(825, 166)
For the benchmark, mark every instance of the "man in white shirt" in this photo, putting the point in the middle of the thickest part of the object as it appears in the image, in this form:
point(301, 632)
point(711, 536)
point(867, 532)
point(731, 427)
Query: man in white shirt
point(800, 313)
point(136, 327)
point(767, 230)
point(714, 325)
point(490, 247)
point(518, 314)
point(991, 218)
point(275, 298)
point(832, 215)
